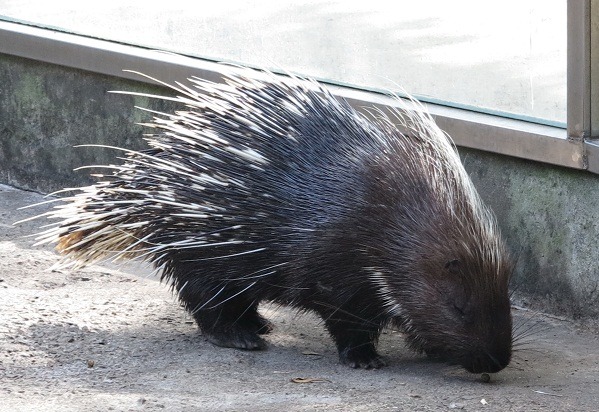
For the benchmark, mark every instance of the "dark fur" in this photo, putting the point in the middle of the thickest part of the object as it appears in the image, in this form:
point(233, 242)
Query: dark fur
point(346, 204)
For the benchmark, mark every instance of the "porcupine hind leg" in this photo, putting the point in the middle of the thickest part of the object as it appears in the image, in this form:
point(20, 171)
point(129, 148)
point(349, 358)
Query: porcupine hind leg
point(225, 316)
point(355, 337)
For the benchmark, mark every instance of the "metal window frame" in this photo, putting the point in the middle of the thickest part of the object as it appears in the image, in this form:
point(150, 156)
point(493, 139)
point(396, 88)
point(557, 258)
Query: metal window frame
point(583, 79)
point(572, 147)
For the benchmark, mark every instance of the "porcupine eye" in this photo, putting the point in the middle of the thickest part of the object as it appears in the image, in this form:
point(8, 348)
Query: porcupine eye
point(462, 311)
point(459, 310)
point(453, 266)
point(459, 302)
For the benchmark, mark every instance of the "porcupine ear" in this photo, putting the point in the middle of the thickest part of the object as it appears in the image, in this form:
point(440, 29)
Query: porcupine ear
point(453, 266)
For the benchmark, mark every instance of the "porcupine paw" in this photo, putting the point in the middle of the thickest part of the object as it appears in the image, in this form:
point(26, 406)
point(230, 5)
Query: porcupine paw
point(365, 358)
point(235, 336)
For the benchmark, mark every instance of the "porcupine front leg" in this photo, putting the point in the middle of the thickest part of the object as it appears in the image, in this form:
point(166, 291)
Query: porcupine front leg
point(225, 316)
point(355, 338)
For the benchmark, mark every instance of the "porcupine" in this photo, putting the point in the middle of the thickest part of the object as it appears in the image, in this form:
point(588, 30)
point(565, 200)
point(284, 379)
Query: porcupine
point(265, 188)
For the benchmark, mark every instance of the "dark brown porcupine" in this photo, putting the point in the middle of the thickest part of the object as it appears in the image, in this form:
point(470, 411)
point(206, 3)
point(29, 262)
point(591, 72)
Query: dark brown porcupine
point(273, 190)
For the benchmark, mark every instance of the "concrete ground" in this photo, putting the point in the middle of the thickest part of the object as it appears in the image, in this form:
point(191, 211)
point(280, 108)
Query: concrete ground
point(104, 339)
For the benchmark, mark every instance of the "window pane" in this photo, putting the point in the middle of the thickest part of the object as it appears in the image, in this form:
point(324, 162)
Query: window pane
point(507, 56)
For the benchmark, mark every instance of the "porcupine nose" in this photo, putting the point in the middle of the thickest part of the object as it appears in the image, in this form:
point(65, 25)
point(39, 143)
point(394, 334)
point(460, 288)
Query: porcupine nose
point(486, 362)
point(492, 357)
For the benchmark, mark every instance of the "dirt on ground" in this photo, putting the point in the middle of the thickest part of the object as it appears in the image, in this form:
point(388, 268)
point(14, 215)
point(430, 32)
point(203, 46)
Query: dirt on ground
point(115, 339)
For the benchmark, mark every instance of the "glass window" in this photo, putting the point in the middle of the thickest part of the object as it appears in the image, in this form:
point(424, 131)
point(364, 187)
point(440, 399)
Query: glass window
point(505, 57)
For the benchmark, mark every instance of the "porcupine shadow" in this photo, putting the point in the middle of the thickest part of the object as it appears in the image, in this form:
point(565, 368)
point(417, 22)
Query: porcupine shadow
point(273, 190)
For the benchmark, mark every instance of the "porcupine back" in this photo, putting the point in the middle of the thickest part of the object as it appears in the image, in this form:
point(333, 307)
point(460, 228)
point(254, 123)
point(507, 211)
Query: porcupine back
point(273, 189)
point(240, 165)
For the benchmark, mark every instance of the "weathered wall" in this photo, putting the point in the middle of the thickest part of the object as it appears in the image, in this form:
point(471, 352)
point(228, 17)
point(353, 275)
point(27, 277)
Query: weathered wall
point(46, 110)
point(550, 217)
point(548, 214)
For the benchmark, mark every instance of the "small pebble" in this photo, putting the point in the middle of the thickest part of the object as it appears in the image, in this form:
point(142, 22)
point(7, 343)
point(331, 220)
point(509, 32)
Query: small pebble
point(90, 363)
point(485, 378)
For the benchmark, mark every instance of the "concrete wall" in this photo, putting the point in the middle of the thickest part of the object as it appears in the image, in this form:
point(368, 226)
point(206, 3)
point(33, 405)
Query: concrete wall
point(549, 215)
point(45, 110)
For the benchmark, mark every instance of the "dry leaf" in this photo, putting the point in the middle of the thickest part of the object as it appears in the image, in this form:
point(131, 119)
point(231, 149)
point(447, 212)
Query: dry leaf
point(312, 354)
point(309, 380)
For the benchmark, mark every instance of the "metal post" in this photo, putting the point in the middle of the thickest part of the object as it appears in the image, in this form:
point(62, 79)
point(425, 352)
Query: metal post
point(579, 70)
point(594, 45)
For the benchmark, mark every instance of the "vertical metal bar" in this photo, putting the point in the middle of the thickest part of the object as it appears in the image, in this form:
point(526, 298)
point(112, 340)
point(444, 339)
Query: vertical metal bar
point(594, 45)
point(579, 69)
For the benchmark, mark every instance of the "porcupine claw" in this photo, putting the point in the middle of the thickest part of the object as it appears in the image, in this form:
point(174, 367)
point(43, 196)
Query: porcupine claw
point(365, 359)
point(242, 333)
point(235, 336)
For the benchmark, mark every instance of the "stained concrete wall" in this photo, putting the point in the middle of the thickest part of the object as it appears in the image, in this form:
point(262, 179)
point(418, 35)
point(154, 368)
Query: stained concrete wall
point(46, 110)
point(550, 217)
point(548, 214)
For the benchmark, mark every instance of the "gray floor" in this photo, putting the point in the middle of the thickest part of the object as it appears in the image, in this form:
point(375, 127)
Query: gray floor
point(98, 339)
point(506, 56)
